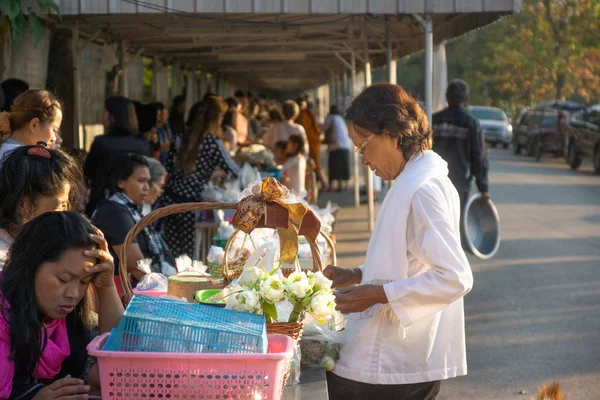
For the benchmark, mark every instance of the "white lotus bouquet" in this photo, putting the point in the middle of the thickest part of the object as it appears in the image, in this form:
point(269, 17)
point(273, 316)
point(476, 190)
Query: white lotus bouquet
point(258, 292)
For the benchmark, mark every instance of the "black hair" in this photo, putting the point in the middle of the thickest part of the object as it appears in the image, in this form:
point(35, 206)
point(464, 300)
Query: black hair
point(275, 115)
point(281, 145)
point(457, 92)
point(177, 100)
point(299, 140)
point(12, 89)
point(195, 111)
point(207, 95)
point(240, 94)
point(146, 115)
point(43, 239)
point(124, 119)
point(121, 169)
point(228, 119)
point(334, 109)
point(232, 102)
point(24, 176)
point(159, 106)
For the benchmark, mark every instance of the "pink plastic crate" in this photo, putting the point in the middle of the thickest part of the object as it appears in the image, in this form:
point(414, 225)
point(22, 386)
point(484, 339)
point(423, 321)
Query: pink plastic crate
point(140, 375)
point(149, 293)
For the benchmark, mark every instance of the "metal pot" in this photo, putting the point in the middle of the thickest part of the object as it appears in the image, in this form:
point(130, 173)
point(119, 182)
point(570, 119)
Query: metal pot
point(482, 228)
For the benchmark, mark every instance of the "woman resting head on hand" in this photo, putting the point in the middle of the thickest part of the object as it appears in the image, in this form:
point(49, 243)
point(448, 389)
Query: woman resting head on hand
point(46, 317)
point(33, 181)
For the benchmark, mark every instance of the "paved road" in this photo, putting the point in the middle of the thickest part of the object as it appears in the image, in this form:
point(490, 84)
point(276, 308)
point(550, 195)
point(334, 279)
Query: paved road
point(534, 312)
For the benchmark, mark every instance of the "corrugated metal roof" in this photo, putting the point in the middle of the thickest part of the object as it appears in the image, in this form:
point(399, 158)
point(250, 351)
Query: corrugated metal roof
point(275, 43)
point(69, 7)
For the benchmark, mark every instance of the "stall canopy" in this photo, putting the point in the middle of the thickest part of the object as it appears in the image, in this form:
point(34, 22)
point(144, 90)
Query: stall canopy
point(282, 44)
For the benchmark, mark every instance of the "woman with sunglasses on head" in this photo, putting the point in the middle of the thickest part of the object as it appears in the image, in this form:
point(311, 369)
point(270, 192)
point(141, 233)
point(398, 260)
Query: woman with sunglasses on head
point(406, 316)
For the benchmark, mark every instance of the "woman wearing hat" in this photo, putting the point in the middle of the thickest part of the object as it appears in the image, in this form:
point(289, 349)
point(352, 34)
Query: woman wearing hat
point(405, 330)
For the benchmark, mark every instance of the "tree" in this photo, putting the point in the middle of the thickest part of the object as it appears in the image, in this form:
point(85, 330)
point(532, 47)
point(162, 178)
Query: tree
point(17, 17)
point(549, 50)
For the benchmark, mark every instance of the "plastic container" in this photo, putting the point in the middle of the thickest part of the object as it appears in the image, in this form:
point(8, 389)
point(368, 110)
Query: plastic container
point(162, 325)
point(203, 295)
point(150, 293)
point(137, 375)
point(271, 173)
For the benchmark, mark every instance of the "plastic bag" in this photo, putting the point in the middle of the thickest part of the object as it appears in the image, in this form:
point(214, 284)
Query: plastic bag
point(321, 342)
point(184, 264)
point(145, 265)
point(153, 281)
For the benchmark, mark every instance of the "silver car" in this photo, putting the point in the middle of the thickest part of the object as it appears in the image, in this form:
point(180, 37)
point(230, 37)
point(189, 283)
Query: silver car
point(495, 124)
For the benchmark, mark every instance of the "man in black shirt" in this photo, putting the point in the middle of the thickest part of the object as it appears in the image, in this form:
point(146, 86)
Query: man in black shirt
point(458, 139)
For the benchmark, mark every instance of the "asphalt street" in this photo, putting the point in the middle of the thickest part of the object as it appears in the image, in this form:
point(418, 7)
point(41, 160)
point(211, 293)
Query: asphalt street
point(534, 312)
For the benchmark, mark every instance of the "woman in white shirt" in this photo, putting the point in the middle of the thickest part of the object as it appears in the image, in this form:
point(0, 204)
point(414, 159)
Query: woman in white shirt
point(282, 131)
point(405, 330)
point(294, 169)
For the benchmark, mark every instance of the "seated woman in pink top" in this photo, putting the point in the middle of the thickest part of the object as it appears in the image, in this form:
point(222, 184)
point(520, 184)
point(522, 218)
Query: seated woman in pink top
point(46, 317)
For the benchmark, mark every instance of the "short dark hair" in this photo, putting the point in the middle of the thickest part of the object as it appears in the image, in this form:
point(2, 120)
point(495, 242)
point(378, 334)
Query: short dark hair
point(177, 100)
point(299, 140)
point(457, 92)
point(159, 105)
point(232, 102)
point(44, 239)
point(30, 176)
point(146, 115)
point(240, 94)
point(124, 118)
point(387, 108)
point(334, 109)
point(275, 114)
point(122, 167)
point(281, 145)
point(290, 109)
point(12, 89)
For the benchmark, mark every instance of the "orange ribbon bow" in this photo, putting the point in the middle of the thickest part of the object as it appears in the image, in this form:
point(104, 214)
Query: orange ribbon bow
point(266, 208)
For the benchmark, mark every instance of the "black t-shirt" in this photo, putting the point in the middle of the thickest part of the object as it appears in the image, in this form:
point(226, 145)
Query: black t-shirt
point(115, 221)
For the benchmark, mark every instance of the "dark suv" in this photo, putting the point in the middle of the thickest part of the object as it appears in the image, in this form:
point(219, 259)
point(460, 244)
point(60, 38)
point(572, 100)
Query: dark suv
point(584, 138)
point(543, 128)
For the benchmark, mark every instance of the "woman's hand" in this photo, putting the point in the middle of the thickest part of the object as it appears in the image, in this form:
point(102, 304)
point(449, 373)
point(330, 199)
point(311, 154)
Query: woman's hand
point(359, 298)
point(104, 270)
point(343, 277)
point(64, 389)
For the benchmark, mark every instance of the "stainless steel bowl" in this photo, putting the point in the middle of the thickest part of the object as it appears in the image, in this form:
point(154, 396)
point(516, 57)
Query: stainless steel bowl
point(482, 228)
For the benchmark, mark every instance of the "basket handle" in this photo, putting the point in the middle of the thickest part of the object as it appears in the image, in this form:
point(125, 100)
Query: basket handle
point(148, 220)
point(314, 249)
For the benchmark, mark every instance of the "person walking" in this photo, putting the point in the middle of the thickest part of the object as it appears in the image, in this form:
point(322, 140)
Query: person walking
point(406, 328)
point(458, 139)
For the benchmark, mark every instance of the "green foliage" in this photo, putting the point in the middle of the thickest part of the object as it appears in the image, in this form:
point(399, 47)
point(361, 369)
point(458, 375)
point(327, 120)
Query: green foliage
point(17, 17)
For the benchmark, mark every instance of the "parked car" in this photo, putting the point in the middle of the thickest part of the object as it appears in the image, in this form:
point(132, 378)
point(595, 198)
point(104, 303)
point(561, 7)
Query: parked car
point(543, 129)
point(584, 138)
point(496, 126)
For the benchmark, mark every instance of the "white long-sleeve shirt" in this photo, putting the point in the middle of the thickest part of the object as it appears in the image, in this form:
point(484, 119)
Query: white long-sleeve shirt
point(420, 335)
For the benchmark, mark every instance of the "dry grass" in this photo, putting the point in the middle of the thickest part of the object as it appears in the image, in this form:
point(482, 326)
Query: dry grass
point(550, 392)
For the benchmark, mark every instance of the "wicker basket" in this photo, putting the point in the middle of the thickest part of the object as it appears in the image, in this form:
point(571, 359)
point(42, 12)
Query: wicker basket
point(231, 272)
point(291, 329)
point(148, 220)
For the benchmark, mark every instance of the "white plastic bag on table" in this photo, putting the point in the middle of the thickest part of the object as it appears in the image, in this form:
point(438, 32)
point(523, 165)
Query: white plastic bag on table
point(154, 282)
point(321, 342)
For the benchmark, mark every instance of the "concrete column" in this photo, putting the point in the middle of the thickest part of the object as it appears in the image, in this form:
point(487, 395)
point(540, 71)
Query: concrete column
point(391, 62)
point(356, 161)
point(77, 134)
point(428, 28)
point(369, 173)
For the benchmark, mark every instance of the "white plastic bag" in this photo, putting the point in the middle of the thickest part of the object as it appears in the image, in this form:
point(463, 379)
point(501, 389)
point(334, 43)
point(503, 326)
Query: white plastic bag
point(154, 282)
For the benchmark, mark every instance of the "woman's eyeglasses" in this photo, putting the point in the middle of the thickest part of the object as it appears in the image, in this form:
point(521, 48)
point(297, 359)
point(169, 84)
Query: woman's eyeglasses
point(361, 149)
